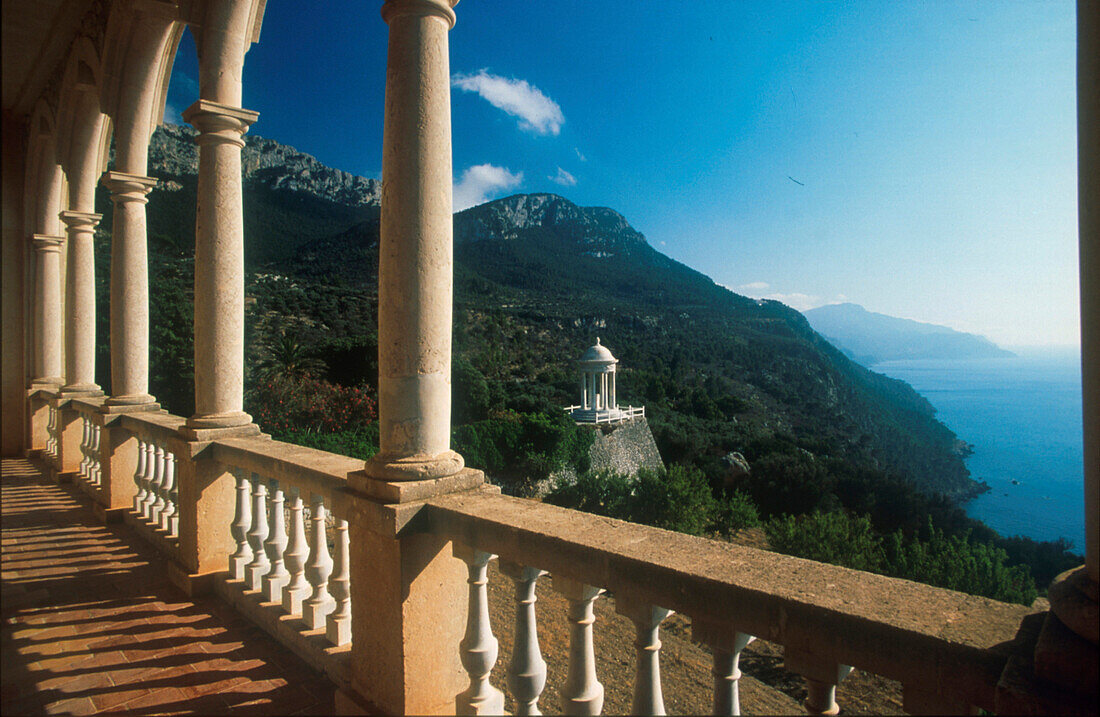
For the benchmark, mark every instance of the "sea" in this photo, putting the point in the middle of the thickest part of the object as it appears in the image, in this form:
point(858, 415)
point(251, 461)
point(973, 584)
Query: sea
point(1023, 416)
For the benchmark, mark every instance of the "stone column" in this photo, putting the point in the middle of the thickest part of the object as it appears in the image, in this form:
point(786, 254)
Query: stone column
point(129, 289)
point(219, 266)
point(47, 309)
point(415, 256)
point(613, 400)
point(80, 295)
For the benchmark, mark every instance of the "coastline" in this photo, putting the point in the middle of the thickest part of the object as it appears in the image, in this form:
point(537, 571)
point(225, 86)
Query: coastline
point(1019, 418)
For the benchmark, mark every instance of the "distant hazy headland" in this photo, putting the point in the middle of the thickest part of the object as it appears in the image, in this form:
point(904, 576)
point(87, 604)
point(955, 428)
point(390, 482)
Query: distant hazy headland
point(870, 338)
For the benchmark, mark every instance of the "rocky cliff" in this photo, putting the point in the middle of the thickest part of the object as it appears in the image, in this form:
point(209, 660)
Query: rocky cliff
point(172, 151)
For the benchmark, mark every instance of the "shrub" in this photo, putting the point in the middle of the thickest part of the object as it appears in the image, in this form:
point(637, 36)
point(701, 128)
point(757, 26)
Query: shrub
point(357, 443)
point(835, 538)
point(736, 511)
point(524, 449)
point(284, 405)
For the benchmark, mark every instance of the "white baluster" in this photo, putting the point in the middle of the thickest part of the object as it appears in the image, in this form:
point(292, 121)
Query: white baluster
point(822, 677)
point(275, 544)
point(242, 523)
point(139, 475)
point(174, 496)
point(255, 570)
point(338, 630)
point(152, 477)
point(318, 569)
point(478, 648)
point(85, 440)
point(164, 458)
point(527, 670)
point(582, 693)
point(167, 491)
point(647, 619)
point(95, 467)
point(51, 430)
point(297, 548)
point(727, 644)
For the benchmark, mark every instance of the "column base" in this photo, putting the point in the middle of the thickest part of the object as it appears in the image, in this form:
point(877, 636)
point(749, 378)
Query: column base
point(137, 399)
point(414, 468)
point(83, 390)
point(230, 419)
point(406, 491)
point(191, 433)
point(108, 516)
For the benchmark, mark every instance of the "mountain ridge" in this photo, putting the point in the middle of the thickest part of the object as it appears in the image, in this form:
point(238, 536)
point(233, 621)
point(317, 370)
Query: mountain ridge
point(536, 278)
point(870, 337)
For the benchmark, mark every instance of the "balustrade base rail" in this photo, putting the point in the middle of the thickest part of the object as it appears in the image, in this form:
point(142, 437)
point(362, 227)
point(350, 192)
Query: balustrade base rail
point(313, 646)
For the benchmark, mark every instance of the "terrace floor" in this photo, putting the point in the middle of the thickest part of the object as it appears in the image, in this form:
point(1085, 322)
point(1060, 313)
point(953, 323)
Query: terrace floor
point(91, 623)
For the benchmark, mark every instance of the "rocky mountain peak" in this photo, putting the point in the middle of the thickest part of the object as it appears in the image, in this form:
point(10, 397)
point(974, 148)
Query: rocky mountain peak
point(507, 217)
point(172, 151)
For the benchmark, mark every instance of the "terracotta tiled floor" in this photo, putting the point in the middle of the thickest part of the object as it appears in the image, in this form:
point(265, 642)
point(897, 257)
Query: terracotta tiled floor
point(91, 623)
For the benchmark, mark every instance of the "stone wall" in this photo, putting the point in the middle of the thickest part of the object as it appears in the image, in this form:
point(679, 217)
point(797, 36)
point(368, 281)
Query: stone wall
point(624, 447)
point(620, 447)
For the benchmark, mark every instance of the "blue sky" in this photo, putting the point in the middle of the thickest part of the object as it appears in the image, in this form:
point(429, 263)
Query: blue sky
point(918, 158)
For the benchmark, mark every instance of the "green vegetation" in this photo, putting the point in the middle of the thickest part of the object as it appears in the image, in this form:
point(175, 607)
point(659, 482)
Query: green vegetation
point(845, 462)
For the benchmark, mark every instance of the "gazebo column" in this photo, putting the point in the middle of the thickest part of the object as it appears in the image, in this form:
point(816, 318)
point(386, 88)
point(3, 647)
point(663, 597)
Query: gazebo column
point(613, 400)
point(398, 625)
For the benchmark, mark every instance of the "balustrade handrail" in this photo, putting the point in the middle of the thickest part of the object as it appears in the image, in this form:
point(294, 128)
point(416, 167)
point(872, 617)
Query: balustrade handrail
point(308, 469)
point(86, 404)
point(929, 638)
point(158, 426)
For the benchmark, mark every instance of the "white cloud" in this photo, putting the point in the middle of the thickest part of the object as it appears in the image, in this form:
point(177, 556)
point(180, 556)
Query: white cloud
point(536, 112)
point(797, 301)
point(481, 183)
point(171, 114)
point(580, 155)
point(563, 178)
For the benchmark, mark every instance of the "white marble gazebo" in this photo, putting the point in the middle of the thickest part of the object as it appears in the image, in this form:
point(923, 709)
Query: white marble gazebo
point(599, 403)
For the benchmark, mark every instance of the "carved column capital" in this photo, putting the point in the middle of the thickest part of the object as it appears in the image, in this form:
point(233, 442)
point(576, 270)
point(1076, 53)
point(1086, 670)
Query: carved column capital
point(80, 221)
point(44, 243)
point(420, 8)
point(218, 123)
point(127, 187)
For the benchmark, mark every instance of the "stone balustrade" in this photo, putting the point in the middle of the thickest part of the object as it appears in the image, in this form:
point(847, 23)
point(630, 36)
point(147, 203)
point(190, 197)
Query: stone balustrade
point(947, 649)
point(290, 569)
point(156, 508)
point(89, 472)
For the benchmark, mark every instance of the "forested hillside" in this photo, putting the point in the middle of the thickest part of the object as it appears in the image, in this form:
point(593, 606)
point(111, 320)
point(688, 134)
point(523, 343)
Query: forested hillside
point(537, 278)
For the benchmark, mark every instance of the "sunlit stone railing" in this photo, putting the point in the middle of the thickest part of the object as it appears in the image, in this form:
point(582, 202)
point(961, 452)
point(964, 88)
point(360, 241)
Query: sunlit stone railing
point(947, 649)
point(290, 569)
point(89, 471)
point(156, 509)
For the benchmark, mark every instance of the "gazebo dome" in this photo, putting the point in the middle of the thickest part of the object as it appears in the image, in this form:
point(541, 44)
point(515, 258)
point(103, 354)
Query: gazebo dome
point(599, 404)
point(598, 354)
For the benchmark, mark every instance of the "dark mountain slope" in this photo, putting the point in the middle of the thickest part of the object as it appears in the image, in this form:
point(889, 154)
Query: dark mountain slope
point(537, 278)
